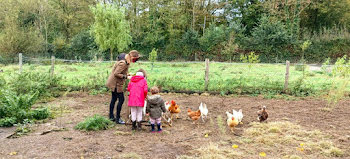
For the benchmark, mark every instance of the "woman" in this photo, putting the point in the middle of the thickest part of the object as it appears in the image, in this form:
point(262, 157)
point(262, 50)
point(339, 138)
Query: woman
point(116, 82)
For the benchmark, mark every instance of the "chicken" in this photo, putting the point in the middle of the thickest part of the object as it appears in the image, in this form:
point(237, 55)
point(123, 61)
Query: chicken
point(204, 111)
point(262, 114)
point(194, 115)
point(238, 114)
point(232, 122)
point(174, 109)
point(144, 108)
point(166, 116)
point(167, 105)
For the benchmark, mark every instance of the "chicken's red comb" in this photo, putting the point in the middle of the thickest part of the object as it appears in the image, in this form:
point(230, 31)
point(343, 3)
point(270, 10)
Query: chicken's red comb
point(173, 102)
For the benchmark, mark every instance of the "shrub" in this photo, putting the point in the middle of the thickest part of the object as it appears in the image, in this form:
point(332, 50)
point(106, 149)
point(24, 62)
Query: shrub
point(40, 113)
point(31, 82)
point(97, 122)
point(7, 121)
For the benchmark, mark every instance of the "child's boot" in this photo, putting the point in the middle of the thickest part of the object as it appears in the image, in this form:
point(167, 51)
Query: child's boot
point(133, 125)
point(152, 126)
point(159, 128)
point(139, 126)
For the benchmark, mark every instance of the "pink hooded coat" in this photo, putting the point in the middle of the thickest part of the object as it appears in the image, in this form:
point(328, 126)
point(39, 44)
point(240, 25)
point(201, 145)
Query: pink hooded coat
point(138, 91)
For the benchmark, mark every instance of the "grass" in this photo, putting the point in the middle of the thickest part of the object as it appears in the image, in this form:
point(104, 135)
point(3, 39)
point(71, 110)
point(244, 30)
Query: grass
point(283, 135)
point(225, 78)
point(274, 139)
point(131, 155)
point(97, 122)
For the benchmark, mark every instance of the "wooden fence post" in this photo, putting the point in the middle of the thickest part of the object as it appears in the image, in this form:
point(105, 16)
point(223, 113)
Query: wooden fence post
point(286, 77)
point(206, 74)
point(52, 65)
point(20, 62)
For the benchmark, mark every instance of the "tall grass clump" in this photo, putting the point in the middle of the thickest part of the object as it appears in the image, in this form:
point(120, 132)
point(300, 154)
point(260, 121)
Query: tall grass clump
point(97, 122)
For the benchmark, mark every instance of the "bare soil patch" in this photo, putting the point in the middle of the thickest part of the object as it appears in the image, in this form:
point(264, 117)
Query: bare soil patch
point(173, 142)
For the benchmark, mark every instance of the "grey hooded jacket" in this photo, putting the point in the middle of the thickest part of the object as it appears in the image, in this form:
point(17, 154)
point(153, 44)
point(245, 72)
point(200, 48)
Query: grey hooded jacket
point(155, 106)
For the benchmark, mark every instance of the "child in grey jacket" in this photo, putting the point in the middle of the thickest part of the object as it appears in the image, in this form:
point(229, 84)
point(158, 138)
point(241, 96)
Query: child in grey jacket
point(155, 107)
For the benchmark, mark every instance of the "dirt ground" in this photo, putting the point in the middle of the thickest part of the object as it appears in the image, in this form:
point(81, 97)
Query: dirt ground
point(180, 139)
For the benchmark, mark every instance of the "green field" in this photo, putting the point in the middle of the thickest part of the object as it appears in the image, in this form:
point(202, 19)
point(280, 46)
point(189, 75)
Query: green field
point(225, 78)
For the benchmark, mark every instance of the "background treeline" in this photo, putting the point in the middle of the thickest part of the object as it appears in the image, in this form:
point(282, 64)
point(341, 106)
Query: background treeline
point(180, 29)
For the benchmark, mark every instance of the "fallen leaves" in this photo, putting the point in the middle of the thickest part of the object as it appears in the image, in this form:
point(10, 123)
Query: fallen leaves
point(262, 154)
point(235, 146)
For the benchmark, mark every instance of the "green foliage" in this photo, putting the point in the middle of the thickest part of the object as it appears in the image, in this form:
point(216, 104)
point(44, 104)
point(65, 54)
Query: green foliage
point(340, 81)
point(212, 40)
point(305, 45)
point(7, 121)
point(40, 113)
point(190, 43)
point(230, 48)
point(60, 48)
point(325, 66)
point(270, 38)
point(31, 82)
point(15, 107)
point(252, 58)
point(110, 28)
point(23, 128)
point(97, 122)
point(81, 44)
point(153, 55)
point(341, 67)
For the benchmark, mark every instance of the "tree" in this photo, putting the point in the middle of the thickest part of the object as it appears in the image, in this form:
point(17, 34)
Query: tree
point(325, 14)
point(110, 28)
point(153, 56)
point(19, 31)
point(270, 37)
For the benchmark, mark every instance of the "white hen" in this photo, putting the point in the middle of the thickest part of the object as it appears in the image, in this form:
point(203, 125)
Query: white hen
point(204, 111)
point(167, 105)
point(238, 114)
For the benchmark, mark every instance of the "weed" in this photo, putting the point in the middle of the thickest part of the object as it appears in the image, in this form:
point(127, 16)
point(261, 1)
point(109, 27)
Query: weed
point(221, 124)
point(131, 155)
point(97, 122)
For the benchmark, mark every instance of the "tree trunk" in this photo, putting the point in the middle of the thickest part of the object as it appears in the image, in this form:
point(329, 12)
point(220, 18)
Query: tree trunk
point(111, 50)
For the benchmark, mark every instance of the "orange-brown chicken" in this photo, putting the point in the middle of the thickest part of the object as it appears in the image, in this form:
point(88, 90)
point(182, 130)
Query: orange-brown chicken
point(232, 122)
point(194, 115)
point(174, 109)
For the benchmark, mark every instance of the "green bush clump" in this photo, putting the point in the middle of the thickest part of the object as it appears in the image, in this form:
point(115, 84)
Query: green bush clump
point(97, 122)
point(7, 121)
point(30, 82)
point(17, 108)
point(40, 113)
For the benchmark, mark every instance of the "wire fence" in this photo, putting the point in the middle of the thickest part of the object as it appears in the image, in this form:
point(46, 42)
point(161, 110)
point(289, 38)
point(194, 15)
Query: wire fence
point(193, 76)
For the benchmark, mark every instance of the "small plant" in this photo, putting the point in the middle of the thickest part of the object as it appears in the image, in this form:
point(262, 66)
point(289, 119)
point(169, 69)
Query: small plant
point(340, 72)
point(23, 129)
point(251, 59)
point(306, 44)
point(221, 124)
point(41, 113)
point(325, 66)
point(97, 122)
point(341, 67)
point(153, 56)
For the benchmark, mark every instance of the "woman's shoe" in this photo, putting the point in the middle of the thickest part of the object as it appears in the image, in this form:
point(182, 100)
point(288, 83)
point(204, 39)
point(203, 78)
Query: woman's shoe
point(120, 121)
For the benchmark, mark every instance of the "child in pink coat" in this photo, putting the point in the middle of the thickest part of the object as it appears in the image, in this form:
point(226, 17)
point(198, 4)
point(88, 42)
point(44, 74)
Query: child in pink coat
point(138, 92)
